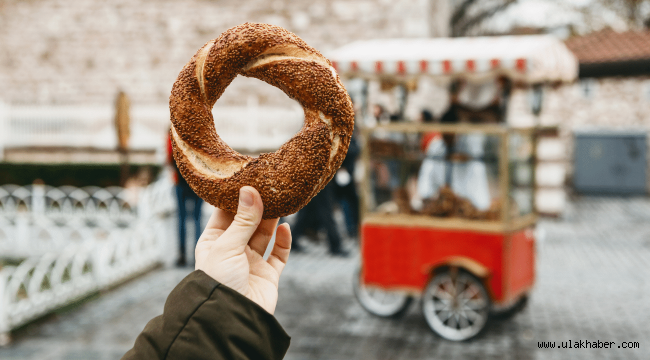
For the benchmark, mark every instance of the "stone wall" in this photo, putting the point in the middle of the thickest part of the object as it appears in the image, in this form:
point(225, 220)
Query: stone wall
point(615, 103)
point(84, 51)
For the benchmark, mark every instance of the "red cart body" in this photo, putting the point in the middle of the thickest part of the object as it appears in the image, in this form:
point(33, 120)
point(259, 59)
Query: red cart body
point(399, 257)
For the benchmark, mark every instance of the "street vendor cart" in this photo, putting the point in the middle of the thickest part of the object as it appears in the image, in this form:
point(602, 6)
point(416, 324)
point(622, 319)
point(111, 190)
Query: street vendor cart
point(447, 211)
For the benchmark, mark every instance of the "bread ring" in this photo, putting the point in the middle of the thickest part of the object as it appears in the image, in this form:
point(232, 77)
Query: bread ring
point(288, 178)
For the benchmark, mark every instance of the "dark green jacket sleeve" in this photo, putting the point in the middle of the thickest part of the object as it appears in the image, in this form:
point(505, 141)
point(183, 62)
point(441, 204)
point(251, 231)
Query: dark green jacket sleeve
point(203, 319)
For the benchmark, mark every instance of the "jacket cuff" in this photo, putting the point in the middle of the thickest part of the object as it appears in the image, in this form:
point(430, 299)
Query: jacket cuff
point(204, 319)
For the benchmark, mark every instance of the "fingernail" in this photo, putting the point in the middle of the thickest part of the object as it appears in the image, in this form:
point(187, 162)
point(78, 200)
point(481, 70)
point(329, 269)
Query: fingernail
point(246, 198)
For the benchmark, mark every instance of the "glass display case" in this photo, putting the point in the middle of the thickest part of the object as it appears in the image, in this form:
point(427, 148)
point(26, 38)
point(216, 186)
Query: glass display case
point(461, 175)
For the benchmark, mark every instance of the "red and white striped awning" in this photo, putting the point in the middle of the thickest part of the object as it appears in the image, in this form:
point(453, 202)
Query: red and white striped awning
point(529, 59)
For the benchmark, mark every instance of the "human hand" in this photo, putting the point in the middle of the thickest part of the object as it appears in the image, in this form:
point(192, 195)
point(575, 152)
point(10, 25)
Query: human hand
point(231, 249)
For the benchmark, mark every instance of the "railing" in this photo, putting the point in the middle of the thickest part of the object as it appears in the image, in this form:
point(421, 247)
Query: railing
point(248, 128)
point(74, 242)
point(68, 203)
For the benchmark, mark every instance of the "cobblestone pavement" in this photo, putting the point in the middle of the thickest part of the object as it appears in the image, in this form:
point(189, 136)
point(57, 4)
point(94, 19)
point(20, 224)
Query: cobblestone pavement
point(593, 271)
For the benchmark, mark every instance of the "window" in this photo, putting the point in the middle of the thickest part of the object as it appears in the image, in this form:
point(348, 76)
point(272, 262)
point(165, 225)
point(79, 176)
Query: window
point(588, 88)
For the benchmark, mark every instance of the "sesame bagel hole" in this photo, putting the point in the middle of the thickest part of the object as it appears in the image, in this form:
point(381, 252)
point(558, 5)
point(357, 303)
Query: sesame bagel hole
point(253, 117)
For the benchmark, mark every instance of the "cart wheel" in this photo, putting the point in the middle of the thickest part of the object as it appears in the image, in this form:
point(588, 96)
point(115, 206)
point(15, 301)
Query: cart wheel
point(456, 306)
point(379, 302)
point(510, 311)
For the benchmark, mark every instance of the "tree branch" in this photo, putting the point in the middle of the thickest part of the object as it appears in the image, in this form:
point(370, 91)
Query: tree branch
point(462, 28)
point(460, 11)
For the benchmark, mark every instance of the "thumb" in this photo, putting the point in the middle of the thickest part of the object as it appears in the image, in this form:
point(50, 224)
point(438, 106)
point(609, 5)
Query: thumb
point(248, 217)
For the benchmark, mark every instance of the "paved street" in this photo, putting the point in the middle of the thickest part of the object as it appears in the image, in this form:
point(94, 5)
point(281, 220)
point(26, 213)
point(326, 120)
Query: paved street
point(593, 284)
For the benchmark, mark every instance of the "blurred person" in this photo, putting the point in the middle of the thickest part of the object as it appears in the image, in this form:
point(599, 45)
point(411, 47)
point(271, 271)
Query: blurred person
point(379, 116)
point(381, 182)
point(317, 214)
point(433, 170)
point(224, 309)
point(451, 115)
point(469, 174)
point(387, 171)
point(345, 189)
point(455, 160)
point(426, 117)
point(184, 194)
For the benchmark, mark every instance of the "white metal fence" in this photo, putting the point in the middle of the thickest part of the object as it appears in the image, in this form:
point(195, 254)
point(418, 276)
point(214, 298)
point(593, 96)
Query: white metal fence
point(71, 242)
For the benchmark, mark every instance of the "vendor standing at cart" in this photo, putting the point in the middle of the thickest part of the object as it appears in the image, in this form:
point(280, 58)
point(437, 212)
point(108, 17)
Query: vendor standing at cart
point(387, 172)
point(455, 160)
